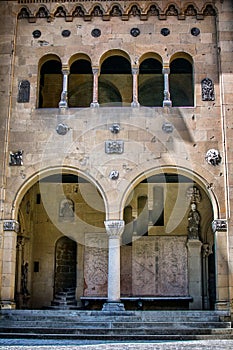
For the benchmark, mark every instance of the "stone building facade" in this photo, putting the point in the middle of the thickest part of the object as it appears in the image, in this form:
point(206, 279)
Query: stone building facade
point(115, 150)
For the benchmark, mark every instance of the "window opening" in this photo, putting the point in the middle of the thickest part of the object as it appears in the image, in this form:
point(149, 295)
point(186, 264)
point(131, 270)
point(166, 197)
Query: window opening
point(150, 83)
point(50, 84)
point(181, 83)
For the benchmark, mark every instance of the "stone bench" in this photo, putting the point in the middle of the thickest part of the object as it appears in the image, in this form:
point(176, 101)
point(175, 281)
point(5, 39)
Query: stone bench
point(140, 301)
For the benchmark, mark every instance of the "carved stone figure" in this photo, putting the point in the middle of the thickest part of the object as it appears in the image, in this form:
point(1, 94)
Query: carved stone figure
point(193, 222)
point(66, 210)
point(25, 279)
point(16, 158)
point(213, 157)
point(207, 90)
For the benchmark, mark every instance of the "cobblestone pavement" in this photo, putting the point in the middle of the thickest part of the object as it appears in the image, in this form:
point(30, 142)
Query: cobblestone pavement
point(30, 344)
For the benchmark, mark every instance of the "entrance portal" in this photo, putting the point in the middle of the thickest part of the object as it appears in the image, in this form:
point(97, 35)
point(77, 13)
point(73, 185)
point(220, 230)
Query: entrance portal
point(65, 265)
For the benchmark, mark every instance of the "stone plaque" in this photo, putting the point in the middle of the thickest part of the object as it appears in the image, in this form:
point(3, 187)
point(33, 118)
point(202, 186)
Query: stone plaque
point(114, 146)
point(160, 266)
point(23, 91)
point(95, 265)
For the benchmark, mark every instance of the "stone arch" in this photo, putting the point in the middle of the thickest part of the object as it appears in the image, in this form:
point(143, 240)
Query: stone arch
point(181, 80)
point(179, 184)
point(42, 227)
point(116, 72)
point(43, 173)
point(50, 81)
point(150, 80)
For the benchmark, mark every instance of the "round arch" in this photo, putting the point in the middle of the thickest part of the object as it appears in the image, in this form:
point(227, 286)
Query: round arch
point(181, 54)
point(171, 169)
point(78, 56)
point(48, 172)
point(153, 55)
point(114, 52)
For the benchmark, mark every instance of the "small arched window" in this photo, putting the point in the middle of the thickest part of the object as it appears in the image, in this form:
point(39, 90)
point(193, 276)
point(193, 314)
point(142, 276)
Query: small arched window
point(150, 83)
point(50, 84)
point(115, 81)
point(181, 83)
point(80, 84)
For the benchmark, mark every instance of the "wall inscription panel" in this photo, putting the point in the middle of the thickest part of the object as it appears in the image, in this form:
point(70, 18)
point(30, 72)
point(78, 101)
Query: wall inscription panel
point(95, 265)
point(159, 266)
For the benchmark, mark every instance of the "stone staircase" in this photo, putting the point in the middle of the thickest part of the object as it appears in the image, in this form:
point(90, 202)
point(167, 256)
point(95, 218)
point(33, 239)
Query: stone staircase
point(120, 326)
point(64, 300)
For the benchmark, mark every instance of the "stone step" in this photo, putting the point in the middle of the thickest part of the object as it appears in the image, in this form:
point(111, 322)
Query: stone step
point(117, 325)
point(117, 331)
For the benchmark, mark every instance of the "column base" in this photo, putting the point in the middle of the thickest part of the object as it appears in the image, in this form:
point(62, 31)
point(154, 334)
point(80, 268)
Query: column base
point(113, 306)
point(135, 104)
point(222, 305)
point(167, 103)
point(7, 305)
point(94, 105)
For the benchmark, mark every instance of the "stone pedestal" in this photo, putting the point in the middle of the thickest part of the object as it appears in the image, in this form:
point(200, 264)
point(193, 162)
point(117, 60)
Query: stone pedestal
point(195, 273)
point(114, 230)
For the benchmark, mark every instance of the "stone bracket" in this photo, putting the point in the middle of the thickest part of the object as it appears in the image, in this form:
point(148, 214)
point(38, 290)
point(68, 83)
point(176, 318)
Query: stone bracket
point(219, 225)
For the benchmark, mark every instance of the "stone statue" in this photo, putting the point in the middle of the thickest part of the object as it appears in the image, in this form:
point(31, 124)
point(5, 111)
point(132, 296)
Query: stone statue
point(25, 279)
point(193, 222)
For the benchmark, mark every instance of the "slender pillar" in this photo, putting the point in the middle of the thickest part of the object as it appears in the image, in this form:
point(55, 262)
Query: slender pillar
point(206, 251)
point(10, 228)
point(95, 87)
point(64, 95)
point(135, 102)
point(195, 273)
point(114, 230)
point(166, 101)
point(221, 261)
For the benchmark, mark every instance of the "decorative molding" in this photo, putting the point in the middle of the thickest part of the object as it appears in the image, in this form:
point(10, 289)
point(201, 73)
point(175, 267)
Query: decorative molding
point(219, 225)
point(10, 225)
point(114, 228)
point(116, 146)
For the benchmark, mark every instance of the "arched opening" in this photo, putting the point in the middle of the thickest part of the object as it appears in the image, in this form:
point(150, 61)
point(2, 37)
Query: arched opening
point(168, 209)
point(50, 83)
point(181, 83)
point(115, 81)
point(61, 216)
point(80, 84)
point(150, 83)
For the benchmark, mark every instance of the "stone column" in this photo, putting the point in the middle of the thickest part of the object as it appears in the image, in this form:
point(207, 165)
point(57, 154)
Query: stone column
point(195, 273)
point(64, 95)
point(221, 262)
point(135, 102)
point(95, 87)
point(10, 228)
point(114, 230)
point(166, 101)
point(206, 251)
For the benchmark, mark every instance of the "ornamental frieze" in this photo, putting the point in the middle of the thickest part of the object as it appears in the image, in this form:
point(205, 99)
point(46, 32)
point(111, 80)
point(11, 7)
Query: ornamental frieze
point(87, 10)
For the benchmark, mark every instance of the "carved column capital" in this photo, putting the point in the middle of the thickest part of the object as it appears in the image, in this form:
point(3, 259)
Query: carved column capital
point(65, 70)
point(135, 70)
point(95, 70)
point(114, 228)
point(10, 225)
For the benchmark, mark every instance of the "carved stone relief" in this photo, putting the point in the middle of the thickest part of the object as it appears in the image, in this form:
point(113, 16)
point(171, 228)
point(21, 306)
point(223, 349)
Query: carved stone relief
point(160, 266)
point(95, 265)
point(114, 147)
point(16, 158)
point(23, 91)
point(207, 90)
